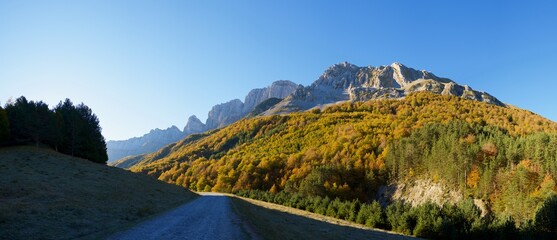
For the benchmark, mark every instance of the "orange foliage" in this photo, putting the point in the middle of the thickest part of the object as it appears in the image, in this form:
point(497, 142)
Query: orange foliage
point(473, 177)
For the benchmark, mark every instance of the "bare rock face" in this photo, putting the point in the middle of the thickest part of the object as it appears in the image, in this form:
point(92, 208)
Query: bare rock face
point(278, 89)
point(194, 125)
point(348, 82)
point(419, 192)
point(225, 113)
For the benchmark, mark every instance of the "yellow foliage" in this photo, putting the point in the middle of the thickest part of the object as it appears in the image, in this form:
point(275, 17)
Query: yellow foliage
point(473, 177)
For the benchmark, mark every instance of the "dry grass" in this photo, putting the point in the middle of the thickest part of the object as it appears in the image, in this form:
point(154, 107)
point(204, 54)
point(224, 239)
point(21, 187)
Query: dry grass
point(273, 221)
point(48, 195)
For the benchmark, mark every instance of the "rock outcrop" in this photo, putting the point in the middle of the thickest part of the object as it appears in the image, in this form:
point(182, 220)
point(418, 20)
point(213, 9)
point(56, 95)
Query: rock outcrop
point(226, 113)
point(194, 125)
point(348, 82)
point(279, 89)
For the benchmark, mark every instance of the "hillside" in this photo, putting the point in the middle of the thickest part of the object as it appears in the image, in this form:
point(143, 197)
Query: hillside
point(48, 195)
point(353, 150)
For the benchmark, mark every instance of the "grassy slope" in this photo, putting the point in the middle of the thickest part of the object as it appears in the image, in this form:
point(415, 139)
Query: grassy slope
point(274, 221)
point(47, 195)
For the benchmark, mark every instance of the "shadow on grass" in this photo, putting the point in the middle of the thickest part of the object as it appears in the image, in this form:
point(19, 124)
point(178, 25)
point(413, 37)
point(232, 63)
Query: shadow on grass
point(275, 224)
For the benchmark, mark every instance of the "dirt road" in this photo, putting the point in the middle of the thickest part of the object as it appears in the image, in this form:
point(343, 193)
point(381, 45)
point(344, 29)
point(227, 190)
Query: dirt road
point(208, 217)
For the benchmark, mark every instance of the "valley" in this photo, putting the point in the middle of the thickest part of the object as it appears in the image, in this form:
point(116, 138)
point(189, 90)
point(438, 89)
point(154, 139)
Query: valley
point(278, 120)
point(384, 147)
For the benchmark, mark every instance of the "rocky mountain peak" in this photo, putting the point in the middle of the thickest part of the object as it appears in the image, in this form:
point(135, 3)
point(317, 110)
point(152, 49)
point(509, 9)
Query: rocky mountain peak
point(348, 82)
point(194, 125)
point(158, 131)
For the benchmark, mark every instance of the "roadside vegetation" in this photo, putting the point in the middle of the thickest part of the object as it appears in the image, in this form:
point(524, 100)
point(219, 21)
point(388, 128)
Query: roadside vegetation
point(503, 156)
point(459, 221)
point(272, 221)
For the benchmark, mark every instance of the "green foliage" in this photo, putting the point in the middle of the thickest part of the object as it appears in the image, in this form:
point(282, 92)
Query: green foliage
point(400, 218)
point(69, 129)
point(371, 215)
point(483, 161)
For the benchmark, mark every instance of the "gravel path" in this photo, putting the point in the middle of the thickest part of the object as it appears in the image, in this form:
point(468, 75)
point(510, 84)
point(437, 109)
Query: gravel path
point(208, 217)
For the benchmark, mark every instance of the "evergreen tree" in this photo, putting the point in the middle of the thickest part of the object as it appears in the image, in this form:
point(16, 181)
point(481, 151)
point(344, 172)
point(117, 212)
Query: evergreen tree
point(80, 132)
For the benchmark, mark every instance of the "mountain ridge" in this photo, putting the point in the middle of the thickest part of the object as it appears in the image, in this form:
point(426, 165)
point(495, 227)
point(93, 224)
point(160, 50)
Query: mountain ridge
point(348, 82)
point(219, 116)
point(340, 82)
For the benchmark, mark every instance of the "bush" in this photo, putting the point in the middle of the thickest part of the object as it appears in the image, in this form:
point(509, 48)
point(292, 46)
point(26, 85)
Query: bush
point(400, 218)
point(429, 220)
point(371, 215)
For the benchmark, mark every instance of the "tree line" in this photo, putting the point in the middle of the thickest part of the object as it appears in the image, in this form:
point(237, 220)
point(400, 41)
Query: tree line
point(67, 128)
point(429, 220)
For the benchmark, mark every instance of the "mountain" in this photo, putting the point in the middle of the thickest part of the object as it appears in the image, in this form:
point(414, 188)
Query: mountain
point(219, 116)
point(149, 142)
point(425, 148)
point(232, 111)
point(339, 83)
point(348, 82)
point(49, 195)
point(194, 125)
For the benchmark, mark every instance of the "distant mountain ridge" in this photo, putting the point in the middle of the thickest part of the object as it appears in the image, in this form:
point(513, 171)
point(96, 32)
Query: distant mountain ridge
point(149, 142)
point(219, 116)
point(348, 82)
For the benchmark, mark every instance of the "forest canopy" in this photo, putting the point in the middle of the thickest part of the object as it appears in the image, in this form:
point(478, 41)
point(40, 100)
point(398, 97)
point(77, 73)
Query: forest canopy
point(67, 128)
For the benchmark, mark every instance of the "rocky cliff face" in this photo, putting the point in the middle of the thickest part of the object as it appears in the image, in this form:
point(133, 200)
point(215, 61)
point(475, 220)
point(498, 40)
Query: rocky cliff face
point(225, 113)
point(194, 125)
point(279, 89)
point(149, 142)
point(232, 111)
point(348, 82)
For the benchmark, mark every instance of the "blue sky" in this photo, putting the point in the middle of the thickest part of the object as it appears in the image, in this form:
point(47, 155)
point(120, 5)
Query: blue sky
point(150, 64)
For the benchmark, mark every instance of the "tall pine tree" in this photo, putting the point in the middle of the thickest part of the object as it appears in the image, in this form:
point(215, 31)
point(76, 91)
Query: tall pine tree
point(80, 132)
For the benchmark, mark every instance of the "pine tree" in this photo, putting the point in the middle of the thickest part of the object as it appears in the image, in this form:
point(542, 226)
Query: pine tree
point(80, 133)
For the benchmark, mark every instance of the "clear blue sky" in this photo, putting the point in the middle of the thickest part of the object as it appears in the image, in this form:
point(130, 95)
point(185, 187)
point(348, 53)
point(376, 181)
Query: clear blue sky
point(150, 64)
